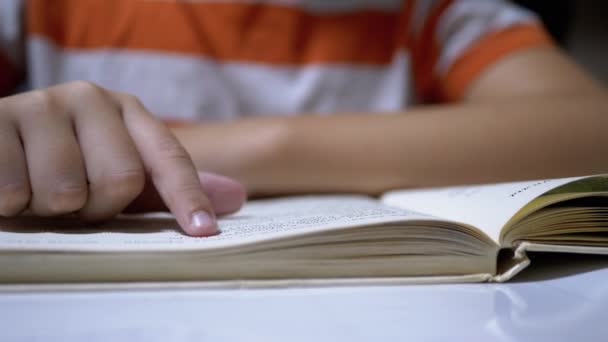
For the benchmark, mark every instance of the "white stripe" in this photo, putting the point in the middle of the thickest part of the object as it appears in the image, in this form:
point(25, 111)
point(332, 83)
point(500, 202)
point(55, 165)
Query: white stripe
point(185, 87)
point(314, 5)
point(10, 29)
point(465, 21)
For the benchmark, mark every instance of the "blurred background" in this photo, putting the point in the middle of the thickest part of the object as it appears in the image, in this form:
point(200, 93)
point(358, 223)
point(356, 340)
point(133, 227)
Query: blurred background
point(581, 27)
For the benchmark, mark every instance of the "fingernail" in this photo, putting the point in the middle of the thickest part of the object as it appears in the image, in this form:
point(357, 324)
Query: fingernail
point(203, 224)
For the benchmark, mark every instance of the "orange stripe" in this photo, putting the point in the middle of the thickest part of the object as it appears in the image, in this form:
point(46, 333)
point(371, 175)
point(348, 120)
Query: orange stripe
point(487, 50)
point(226, 31)
point(403, 29)
point(425, 54)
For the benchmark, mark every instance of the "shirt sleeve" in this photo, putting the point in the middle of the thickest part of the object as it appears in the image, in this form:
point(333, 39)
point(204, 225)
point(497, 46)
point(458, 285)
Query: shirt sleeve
point(11, 44)
point(454, 41)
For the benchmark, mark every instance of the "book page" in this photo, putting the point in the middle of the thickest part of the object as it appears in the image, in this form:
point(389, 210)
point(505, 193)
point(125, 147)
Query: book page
point(487, 207)
point(258, 220)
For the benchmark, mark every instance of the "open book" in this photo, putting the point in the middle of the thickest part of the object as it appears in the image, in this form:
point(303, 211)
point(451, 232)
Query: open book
point(459, 234)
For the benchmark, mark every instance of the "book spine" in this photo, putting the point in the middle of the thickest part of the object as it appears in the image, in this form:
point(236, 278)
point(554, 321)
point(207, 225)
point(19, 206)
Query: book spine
point(511, 267)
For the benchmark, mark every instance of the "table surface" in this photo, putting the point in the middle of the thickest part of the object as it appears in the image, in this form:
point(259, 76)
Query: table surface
point(561, 299)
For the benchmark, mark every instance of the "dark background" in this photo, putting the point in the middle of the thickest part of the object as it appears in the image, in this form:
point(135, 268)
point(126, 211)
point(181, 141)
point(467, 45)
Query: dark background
point(581, 27)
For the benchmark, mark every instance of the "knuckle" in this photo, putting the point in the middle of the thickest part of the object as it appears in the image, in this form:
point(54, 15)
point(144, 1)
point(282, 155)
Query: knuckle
point(13, 198)
point(77, 93)
point(169, 148)
point(189, 194)
point(84, 90)
point(130, 99)
point(43, 102)
point(84, 86)
point(66, 197)
point(190, 188)
point(121, 185)
point(41, 105)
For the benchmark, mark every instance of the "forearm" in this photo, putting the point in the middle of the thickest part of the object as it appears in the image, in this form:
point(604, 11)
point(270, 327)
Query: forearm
point(244, 149)
point(433, 146)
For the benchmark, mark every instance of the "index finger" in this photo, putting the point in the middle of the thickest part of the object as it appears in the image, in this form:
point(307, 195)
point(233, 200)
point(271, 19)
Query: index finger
point(170, 168)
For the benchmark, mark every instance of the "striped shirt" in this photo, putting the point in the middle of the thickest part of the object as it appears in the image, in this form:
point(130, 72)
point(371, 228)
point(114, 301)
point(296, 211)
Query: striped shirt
point(223, 59)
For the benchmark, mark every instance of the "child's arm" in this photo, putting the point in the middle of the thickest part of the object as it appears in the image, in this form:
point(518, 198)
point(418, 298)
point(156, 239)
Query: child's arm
point(534, 114)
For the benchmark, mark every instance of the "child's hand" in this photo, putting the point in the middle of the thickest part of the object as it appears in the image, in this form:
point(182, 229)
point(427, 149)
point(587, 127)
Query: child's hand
point(225, 194)
point(80, 148)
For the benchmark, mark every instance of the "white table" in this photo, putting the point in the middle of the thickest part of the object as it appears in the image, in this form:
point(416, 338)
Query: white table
point(566, 304)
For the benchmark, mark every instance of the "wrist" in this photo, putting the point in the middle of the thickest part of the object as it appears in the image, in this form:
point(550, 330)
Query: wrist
point(246, 150)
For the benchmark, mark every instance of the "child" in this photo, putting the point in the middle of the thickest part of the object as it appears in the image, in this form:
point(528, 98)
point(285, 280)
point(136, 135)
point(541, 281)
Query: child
point(470, 91)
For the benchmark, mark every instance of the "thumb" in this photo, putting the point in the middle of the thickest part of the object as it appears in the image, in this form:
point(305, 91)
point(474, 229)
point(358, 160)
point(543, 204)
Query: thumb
point(225, 194)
